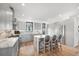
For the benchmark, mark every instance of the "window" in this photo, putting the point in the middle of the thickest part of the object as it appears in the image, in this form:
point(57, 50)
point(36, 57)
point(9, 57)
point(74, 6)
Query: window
point(29, 26)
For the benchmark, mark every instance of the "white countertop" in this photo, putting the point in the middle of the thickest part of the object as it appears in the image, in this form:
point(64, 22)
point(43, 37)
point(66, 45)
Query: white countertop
point(8, 42)
point(39, 36)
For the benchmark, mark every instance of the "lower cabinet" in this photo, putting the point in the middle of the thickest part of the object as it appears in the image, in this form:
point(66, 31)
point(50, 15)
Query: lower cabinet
point(9, 51)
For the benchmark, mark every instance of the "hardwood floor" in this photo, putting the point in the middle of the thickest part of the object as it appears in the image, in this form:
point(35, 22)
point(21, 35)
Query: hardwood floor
point(27, 49)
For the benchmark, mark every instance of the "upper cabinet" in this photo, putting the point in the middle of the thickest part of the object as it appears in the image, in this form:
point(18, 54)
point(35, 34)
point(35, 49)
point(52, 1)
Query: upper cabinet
point(33, 27)
point(41, 28)
point(37, 28)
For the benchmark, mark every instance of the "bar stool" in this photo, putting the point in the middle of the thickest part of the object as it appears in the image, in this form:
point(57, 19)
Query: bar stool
point(47, 44)
point(54, 44)
point(60, 42)
point(41, 46)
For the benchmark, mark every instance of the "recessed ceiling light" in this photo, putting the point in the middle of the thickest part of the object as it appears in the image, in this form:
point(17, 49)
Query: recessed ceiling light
point(23, 4)
point(78, 7)
point(60, 15)
point(67, 17)
point(22, 14)
point(7, 12)
point(78, 16)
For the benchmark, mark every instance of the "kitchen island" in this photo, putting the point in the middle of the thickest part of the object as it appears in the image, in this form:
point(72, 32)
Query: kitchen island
point(9, 46)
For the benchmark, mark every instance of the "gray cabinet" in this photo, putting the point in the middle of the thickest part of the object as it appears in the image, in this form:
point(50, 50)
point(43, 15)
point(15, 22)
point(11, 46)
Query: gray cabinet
point(9, 51)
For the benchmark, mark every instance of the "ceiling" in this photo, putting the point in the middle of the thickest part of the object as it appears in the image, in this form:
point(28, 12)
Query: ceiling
point(42, 11)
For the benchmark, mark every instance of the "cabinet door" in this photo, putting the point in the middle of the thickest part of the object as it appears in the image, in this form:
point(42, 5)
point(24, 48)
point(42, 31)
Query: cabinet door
point(21, 25)
point(43, 28)
point(37, 28)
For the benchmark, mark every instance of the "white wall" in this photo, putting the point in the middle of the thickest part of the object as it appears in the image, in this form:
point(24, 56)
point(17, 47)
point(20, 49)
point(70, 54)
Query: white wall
point(5, 20)
point(76, 32)
point(69, 32)
point(54, 28)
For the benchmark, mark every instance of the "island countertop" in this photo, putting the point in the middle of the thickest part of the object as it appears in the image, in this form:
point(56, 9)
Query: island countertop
point(8, 42)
